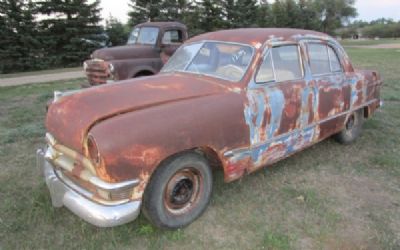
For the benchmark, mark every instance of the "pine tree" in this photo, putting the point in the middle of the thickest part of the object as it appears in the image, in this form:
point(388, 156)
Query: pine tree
point(71, 31)
point(293, 14)
point(191, 16)
point(264, 16)
point(18, 43)
point(143, 11)
point(211, 17)
point(173, 10)
point(280, 16)
point(117, 32)
point(230, 13)
point(246, 13)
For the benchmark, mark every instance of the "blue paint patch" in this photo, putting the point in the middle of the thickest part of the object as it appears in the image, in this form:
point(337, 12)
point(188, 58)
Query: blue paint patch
point(276, 101)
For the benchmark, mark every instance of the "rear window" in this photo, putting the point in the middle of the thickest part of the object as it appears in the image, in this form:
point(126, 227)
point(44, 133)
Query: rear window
point(281, 64)
point(323, 59)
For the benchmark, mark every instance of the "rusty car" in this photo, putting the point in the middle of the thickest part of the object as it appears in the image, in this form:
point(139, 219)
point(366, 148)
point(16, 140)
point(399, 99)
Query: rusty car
point(148, 47)
point(235, 100)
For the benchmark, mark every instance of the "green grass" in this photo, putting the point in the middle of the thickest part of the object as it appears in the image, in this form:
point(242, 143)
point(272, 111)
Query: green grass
point(347, 42)
point(40, 72)
point(329, 196)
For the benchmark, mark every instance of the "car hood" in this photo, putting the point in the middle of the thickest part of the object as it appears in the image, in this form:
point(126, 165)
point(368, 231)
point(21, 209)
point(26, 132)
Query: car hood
point(71, 117)
point(125, 52)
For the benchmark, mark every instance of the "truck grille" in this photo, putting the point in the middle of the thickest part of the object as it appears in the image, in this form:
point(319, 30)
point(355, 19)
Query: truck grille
point(97, 71)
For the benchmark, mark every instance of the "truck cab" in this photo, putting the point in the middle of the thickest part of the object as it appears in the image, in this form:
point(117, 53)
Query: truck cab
point(148, 48)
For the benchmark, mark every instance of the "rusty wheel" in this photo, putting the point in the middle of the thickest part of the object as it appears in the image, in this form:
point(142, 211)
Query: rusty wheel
point(178, 192)
point(183, 191)
point(352, 128)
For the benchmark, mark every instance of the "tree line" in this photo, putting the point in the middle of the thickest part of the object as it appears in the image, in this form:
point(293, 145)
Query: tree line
point(42, 34)
point(381, 27)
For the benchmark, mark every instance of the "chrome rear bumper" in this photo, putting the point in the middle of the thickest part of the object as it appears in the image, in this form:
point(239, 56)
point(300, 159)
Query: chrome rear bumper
point(64, 193)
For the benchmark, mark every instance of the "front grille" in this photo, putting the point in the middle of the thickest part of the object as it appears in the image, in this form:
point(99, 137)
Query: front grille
point(97, 71)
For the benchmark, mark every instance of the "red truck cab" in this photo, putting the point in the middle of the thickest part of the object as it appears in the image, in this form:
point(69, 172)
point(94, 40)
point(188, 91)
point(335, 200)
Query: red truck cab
point(148, 47)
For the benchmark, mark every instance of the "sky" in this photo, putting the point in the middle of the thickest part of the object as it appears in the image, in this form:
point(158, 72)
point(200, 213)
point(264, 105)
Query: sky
point(367, 9)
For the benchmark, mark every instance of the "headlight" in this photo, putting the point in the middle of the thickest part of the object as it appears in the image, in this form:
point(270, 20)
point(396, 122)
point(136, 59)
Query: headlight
point(111, 68)
point(93, 150)
point(85, 66)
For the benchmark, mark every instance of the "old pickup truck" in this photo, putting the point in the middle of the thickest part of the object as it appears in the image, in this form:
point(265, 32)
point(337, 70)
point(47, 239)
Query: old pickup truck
point(149, 46)
point(235, 100)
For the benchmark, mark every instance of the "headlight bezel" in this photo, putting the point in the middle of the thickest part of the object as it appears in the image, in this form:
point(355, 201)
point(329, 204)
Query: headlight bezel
point(93, 152)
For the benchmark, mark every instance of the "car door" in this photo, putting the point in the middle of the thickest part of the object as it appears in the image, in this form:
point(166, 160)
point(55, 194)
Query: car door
point(275, 105)
point(328, 83)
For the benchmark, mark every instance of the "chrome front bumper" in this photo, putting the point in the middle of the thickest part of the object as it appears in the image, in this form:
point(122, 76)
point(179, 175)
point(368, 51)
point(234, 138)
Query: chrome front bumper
point(63, 194)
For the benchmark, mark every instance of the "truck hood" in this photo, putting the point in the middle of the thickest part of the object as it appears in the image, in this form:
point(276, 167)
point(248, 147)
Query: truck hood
point(125, 52)
point(71, 117)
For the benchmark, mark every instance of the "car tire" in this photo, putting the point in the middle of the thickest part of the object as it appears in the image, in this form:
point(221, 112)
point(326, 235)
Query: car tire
point(352, 128)
point(179, 191)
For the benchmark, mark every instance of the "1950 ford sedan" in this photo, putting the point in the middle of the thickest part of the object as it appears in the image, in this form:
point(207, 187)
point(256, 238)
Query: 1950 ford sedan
point(237, 100)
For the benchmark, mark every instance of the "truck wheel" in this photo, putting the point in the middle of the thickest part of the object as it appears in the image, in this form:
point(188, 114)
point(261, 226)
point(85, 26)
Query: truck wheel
point(178, 192)
point(352, 128)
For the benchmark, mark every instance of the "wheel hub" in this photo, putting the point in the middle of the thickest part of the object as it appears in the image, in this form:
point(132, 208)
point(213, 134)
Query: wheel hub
point(183, 191)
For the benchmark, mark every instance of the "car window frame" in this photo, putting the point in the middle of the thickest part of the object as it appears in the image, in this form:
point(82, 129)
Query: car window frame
point(330, 64)
point(172, 29)
point(268, 52)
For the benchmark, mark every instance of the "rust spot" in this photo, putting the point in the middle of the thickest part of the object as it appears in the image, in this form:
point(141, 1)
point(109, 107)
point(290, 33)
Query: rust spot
point(329, 102)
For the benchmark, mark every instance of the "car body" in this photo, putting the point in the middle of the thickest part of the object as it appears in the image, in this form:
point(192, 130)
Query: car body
point(271, 93)
point(149, 46)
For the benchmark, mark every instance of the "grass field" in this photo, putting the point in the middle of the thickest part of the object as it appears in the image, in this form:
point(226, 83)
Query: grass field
point(329, 196)
point(366, 42)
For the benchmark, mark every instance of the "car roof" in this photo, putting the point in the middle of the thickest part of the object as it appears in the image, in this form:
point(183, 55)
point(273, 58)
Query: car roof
point(254, 36)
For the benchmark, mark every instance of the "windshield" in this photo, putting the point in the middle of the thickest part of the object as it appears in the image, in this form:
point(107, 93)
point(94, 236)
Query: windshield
point(145, 35)
point(219, 59)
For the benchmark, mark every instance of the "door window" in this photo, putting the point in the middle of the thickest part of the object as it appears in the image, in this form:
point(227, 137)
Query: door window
point(282, 63)
point(323, 59)
point(334, 60)
point(172, 37)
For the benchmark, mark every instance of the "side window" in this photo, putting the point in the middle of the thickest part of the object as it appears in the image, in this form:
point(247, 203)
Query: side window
point(266, 72)
point(172, 36)
point(334, 60)
point(323, 59)
point(319, 59)
point(283, 63)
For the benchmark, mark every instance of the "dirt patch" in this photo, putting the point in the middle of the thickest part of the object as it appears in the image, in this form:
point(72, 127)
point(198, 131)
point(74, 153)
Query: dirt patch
point(376, 46)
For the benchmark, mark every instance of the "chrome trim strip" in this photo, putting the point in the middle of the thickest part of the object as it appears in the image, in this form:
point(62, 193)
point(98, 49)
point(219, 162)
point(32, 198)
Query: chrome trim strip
point(107, 186)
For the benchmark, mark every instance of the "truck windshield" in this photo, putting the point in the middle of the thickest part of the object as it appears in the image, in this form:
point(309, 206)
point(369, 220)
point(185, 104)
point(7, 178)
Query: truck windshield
point(219, 59)
point(145, 35)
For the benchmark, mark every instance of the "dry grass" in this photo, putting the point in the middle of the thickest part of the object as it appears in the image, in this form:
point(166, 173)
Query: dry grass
point(327, 197)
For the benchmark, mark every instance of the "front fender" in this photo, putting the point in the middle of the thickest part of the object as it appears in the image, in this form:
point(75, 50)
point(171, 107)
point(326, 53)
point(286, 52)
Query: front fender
point(133, 144)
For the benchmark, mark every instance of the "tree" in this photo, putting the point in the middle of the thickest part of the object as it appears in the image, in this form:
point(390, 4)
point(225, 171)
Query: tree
point(293, 14)
point(279, 15)
point(18, 43)
point(308, 16)
point(117, 32)
point(143, 11)
point(333, 13)
point(71, 30)
point(246, 13)
point(211, 15)
point(264, 16)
